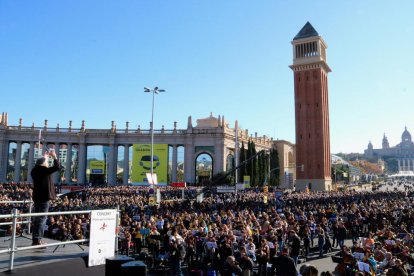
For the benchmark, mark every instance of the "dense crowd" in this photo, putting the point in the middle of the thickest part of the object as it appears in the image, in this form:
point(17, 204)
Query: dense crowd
point(243, 234)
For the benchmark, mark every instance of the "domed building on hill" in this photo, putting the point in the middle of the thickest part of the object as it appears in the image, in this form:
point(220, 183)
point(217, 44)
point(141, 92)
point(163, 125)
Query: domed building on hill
point(403, 152)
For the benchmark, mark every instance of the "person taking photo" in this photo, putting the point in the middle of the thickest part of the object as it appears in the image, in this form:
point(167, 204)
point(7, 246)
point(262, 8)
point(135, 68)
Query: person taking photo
point(43, 192)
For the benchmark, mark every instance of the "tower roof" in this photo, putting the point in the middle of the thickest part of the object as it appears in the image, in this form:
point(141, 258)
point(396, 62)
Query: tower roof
point(307, 31)
point(406, 136)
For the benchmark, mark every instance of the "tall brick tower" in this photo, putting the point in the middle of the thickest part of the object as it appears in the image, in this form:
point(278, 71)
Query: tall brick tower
point(312, 112)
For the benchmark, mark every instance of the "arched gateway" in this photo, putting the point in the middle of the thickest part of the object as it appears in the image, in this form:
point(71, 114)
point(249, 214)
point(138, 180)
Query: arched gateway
point(115, 164)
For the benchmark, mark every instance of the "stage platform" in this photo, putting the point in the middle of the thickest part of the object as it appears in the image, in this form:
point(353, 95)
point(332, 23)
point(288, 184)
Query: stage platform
point(33, 260)
point(67, 260)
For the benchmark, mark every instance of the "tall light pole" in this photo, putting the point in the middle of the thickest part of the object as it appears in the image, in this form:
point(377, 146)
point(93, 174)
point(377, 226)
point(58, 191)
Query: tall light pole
point(154, 91)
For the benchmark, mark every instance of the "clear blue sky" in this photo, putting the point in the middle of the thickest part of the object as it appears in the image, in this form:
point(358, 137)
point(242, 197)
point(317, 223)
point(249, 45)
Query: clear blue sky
point(73, 60)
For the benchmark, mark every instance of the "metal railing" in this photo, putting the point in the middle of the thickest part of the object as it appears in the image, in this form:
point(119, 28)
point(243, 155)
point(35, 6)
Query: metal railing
point(15, 216)
point(29, 221)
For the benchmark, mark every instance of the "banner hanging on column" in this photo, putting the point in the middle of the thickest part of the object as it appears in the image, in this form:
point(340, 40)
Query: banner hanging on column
point(141, 163)
point(97, 166)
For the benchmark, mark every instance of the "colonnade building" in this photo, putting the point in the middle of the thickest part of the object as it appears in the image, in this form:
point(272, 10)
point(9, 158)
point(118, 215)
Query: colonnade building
point(208, 146)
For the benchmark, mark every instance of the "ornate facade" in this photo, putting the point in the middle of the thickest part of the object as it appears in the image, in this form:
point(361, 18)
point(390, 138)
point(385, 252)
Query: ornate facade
point(403, 152)
point(212, 136)
point(286, 151)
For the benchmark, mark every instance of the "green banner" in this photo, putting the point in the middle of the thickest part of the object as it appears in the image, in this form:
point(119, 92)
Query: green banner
point(97, 167)
point(141, 162)
point(246, 181)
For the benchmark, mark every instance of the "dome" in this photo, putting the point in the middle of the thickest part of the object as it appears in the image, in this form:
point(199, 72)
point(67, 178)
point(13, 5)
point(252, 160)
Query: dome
point(406, 136)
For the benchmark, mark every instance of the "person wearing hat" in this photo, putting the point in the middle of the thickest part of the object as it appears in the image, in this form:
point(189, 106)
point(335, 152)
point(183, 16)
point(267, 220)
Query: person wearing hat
point(43, 192)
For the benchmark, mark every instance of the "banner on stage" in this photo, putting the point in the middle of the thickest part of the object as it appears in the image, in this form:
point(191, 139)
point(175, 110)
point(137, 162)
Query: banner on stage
point(102, 236)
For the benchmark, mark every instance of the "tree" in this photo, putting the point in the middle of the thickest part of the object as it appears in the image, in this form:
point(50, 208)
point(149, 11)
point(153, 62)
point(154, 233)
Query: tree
point(242, 158)
point(263, 167)
point(274, 178)
point(259, 172)
point(253, 176)
point(249, 165)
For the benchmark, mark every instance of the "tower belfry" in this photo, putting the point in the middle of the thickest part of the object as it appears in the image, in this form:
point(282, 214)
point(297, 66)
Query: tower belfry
point(311, 110)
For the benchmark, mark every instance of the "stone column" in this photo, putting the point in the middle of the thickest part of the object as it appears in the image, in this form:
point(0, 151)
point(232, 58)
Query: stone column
point(219, 157)
point(56, 175)
point(18, 161)
point(126, 164)
point(189, 163)
point(31, 161)
point(68, 164)
point(3, 157)
point(399, 165)
point(174, 164)
point(112, 166)
point(82, 163)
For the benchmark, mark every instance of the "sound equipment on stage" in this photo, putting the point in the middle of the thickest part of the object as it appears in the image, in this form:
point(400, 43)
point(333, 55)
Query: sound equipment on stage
point(133, 268)
point(113, 265)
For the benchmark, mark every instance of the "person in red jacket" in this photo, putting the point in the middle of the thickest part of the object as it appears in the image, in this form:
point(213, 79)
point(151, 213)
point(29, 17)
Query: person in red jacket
point(43, 192)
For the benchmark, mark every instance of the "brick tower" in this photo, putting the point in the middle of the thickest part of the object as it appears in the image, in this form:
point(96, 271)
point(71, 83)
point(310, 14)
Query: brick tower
point(311, 109)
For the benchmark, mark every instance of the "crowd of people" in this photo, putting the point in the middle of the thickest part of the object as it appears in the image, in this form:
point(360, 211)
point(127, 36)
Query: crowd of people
point(243, 234)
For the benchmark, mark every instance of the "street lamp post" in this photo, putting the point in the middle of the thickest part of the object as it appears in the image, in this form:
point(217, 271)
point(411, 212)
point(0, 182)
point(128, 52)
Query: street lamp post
point(155, 90)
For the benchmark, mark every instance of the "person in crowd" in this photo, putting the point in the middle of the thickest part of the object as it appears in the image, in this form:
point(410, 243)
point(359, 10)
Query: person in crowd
point(321, 240)
point(251, 248)
point(341, 234)
point(308, 270)
point(283, 264)
point(335, 227)
point(177, 255)
point(231, 267)
point(263, 255)
point(245, 262)
point(295, 246)
point(306, 240)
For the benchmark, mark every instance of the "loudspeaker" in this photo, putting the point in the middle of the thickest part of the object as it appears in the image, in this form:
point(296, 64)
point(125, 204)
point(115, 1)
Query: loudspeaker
point(113, 265)
point(133, 268)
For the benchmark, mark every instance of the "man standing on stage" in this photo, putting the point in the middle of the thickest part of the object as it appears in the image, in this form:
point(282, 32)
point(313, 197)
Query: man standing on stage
point(43, 192)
